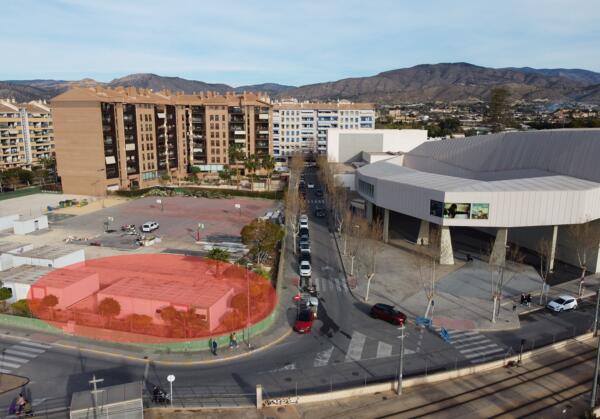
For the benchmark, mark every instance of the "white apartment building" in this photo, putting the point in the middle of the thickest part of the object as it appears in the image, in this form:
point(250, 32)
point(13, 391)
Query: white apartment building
point(26, 134)
point(302, 126)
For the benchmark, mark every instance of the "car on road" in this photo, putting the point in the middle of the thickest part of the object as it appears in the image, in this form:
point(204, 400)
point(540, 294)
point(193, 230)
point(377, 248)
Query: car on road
point(562, 303)
point(388, 313)
point(311, 185)
point(308, 301)
point(304, 247)
point(304, 321)
point(149, 226)
point(303, 224)
point(305, 269)
point(319, 212)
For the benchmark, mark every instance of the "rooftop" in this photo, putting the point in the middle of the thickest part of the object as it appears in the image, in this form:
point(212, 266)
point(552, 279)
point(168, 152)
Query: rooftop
point(63, 278)
point(24, 274)
point(48, 252)
point(6, 247)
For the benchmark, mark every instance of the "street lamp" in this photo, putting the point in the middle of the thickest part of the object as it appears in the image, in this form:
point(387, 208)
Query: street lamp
point(400, 361)
point(170, 379)
point(248, 266)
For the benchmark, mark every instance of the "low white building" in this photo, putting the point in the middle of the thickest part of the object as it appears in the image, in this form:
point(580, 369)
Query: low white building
point(49, 256)
point(7, 221)
point(7, 251)
point(20, 279)
point(349, 145)
point(26, 225)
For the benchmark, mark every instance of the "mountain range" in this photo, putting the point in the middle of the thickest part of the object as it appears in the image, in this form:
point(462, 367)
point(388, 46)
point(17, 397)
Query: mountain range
point(447, 82)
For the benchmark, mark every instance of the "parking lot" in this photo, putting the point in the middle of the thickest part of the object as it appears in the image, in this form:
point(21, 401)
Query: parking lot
point(178, 218)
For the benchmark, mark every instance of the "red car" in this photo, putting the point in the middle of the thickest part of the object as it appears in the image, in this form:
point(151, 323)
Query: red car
point(304, 321)
point(388, 313)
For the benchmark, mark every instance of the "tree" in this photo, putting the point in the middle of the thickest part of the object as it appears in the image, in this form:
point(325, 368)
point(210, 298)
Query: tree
point(236, 157)
point(40, 176)
point(426, 261)
point(5, 294)
point(584, 239)
point(225, 174)
point(261, 236)
point(501, 276)
point(374, 247)
point(139, 323)
point(218, 256)
point(544, 249)
point(252, 164)
point(499, 108)
point(50, 301)
point(109, 308)
point(268, 163)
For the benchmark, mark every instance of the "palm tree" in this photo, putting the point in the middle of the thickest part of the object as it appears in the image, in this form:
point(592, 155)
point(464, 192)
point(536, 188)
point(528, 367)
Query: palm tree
point(236, 156)
point(252, 164)
point(268, 163)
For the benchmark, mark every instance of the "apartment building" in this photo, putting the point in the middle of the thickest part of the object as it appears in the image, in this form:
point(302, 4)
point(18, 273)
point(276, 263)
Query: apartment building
point(302, 126)
point(127, 138)
point(26, 134)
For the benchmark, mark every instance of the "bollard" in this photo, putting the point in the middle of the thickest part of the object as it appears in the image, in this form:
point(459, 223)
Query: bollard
point(259, 401)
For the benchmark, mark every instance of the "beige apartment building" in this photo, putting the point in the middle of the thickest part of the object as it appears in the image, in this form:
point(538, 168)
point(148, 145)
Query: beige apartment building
point(126, 138)
point(26, 134)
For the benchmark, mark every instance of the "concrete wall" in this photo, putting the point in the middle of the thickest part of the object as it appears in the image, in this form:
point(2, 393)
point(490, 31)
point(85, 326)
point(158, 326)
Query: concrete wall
point(6, 259)
point(7, 221)
point(20, 291)
point(22, 227)
point(348, 145)
point(347, 180)
point(76, 256)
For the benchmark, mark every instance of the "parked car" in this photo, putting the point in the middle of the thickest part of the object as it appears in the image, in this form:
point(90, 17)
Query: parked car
point(149, 226)
point(563, 303)
point(388, 313)
point(309, 301)
point(319, 193)
point(304, 247)
point(303, 217)
point(305, 269)
point(320, 212)
point(303, 224)
point(304, 321)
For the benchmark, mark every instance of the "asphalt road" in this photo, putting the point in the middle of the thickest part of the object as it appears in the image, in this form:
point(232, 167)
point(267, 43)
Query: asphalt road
point(346, 347)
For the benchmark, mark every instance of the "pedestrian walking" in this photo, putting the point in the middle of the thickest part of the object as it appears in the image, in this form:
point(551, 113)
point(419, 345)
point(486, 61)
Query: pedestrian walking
point(20, 404)
point(528, 298)
point(233, 343)
point(214, 347)
point(522, 298)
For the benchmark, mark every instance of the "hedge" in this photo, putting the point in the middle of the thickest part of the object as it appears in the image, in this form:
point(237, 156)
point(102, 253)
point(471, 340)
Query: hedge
point(191, 190)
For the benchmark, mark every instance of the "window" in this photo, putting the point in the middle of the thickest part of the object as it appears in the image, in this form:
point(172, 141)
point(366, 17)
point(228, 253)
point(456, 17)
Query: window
point(366, 188)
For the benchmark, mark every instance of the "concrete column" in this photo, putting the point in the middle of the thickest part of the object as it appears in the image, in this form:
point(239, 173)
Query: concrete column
point(386, 225)
point(498, 255)
point(446, 252)
point(369, 211)
point(553, 250)
point(259, 399)
point(423, 237)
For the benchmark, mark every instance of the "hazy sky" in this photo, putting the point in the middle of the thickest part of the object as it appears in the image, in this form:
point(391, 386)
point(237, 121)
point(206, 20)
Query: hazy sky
point(288, 41)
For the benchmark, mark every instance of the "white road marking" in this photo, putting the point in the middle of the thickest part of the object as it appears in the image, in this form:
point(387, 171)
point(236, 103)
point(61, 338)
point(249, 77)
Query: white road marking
point(488, 352)
point(463, 334)
point(356, 346)
point(35, 344)
point(14, 359)
point(477, 348)
point(384, 350)
point(3, 371)
point(20, 353)
point(467, 339)
point(323, 357)
point(9, 364)
point(27, 348)
point(481, 341)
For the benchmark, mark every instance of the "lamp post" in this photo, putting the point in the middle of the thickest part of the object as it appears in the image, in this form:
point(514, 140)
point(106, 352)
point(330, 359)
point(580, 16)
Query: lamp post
point(170, 379)
point(400, 361)
point(248, 266)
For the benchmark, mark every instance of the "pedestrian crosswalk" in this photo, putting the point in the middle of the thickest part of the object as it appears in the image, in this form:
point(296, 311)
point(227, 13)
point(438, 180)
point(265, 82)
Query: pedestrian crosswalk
point(315, 201)
point(360, 348)
point(474, 346)
point(331, 284)
point(15, 356)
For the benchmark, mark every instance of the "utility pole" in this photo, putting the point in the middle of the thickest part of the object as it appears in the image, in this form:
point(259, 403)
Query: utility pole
point(400, 361)
point(595, 383)
point(596, 315)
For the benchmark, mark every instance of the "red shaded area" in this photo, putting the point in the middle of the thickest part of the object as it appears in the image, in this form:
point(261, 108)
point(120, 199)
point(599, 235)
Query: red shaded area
point(152, 298)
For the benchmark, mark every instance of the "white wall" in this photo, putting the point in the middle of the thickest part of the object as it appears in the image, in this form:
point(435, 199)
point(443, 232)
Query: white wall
point(345, 144)
point(19, 291)
point(74, 257)
point(7, 221)
point(347, 180)
point(23, 227)
point(6, 259)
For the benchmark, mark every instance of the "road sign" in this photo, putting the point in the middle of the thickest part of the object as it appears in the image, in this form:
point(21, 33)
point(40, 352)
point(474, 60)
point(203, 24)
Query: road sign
point(170, 378)
point(238, 206)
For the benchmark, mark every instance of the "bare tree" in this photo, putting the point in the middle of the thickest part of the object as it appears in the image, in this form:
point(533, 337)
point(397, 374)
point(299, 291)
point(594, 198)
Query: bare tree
point(426, 262)
point(584, 239)
point(501, 276)
point(374, 247)
point(544, 249)
point(359, 227)
point(292, 209)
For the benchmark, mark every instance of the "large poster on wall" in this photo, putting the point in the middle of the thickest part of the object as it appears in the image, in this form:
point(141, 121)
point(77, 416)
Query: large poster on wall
point(459, 211)
point(480, 211)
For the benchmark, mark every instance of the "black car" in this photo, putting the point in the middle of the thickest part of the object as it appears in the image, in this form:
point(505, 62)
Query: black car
point(304, 256)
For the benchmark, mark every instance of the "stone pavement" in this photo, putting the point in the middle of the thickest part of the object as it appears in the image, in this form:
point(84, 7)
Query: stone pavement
point(463, 291)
